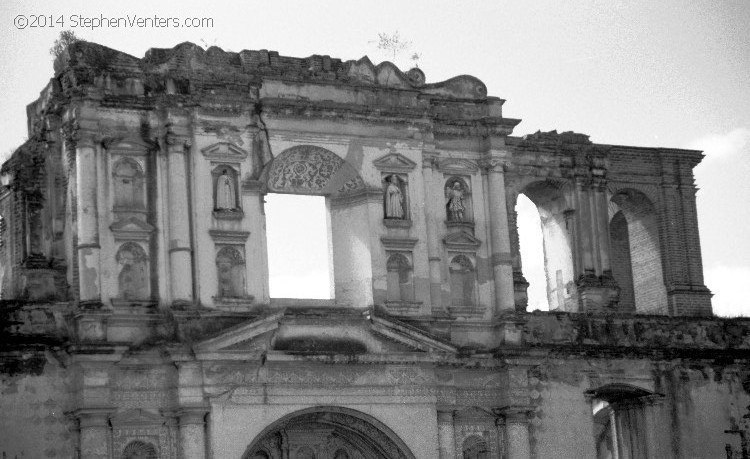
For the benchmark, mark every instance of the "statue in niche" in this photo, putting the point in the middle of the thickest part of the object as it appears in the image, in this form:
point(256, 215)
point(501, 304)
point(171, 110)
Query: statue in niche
point(394, 199)
point(226, 195)
point(455, 204)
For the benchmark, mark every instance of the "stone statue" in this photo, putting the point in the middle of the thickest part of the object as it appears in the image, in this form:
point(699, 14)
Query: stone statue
point(225, 192)
point(394, 207)
point(455, 204)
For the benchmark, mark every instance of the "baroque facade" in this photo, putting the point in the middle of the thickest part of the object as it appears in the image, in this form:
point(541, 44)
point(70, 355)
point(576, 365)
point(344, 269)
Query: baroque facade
point(136, 315)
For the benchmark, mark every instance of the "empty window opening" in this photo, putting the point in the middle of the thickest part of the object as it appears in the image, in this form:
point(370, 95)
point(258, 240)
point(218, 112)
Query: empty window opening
point(299, 246)
point(531, 244)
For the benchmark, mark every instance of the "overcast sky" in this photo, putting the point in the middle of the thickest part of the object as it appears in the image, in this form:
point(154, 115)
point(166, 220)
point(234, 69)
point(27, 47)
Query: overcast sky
point(646, 73)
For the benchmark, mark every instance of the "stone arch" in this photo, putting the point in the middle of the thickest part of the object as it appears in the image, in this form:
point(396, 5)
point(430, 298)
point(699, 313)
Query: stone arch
point(347, 430)
point(133, 277)
point(636, 252)
point(308, 169)
point(139, 450)
point(399, 278)
point(129, 185)
point(551, 203)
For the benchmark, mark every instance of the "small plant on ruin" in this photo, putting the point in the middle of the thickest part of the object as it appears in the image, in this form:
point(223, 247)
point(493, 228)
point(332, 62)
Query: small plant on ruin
point(66, 38)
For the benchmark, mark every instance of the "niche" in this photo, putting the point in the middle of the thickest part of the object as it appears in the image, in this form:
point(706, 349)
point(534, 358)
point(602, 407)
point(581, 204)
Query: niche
point(463, 281)
point(230, 272)
point(225, 189)
point(129, 186)
point(133, 279)
point(400, 280)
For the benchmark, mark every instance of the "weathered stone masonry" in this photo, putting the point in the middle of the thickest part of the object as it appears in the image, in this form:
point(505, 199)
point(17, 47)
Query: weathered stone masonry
point(136, 315)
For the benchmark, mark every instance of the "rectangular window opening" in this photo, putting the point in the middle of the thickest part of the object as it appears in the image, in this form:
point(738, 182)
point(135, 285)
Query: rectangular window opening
point(298, 238)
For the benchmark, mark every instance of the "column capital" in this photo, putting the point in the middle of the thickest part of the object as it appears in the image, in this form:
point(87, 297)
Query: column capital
point(494, 164)
point(191, 414)
point(92, 416)
point(177, 142)
point(430, 159)
point(445, 414)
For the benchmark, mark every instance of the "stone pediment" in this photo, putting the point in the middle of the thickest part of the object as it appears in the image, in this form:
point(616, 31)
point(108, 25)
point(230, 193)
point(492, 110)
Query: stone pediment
point(457, 166)
point(394, 162)
point(300, 333)
point(224, 151)
point(131, 229)
point(245, 333)
point(462, 241)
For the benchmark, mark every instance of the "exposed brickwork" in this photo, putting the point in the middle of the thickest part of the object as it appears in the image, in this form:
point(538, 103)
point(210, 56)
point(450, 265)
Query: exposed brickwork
point(621, 264)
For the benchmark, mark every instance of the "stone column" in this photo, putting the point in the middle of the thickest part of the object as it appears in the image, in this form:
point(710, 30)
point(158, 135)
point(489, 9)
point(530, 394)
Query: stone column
point(192, 427)
point(501, 258)
point(517, 432)
point(601, 211)
point(429, 160)
point(88, 221)
point(93, 425)
point(180, 248)
point(583, 227)
point(446, 434)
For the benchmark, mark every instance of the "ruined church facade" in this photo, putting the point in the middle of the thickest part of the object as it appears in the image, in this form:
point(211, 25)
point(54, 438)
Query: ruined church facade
point(135, 292)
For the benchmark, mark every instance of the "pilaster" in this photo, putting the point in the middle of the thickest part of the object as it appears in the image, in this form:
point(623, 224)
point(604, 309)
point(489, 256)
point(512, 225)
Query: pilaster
point(192, 427)
point(180, 247)
point(500, 258)
point(93, 425)
point(517, 436)
point(88, 249)
point(429, 160)
point(446, 433)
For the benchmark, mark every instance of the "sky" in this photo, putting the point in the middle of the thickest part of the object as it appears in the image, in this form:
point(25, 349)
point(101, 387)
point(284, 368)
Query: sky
point(646, 73)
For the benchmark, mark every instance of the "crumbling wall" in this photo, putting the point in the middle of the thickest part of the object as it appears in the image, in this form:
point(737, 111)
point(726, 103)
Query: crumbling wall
point(34, 397)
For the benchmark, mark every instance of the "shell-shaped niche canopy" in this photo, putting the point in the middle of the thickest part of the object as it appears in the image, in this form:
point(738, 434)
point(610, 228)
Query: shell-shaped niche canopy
point(307, 169)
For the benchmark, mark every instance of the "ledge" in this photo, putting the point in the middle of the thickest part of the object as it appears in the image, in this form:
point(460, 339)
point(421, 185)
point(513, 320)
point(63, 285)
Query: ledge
point(396, 223)
point(235, 214)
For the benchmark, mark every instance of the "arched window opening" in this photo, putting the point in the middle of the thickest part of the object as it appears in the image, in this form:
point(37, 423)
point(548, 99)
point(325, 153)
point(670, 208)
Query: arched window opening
point(133, 278)
point(139, 450)
point(400, 283)
point(129, 184)
point(635, 241)
point(475, 448)
point(230, 266)
point(463, 280)
point(531, 248)
point(556, 242)
point(621, 421)
point(341, 454)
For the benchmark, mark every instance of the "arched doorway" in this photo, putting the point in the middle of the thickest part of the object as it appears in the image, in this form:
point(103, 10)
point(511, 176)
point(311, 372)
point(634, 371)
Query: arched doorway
point(327, 433)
